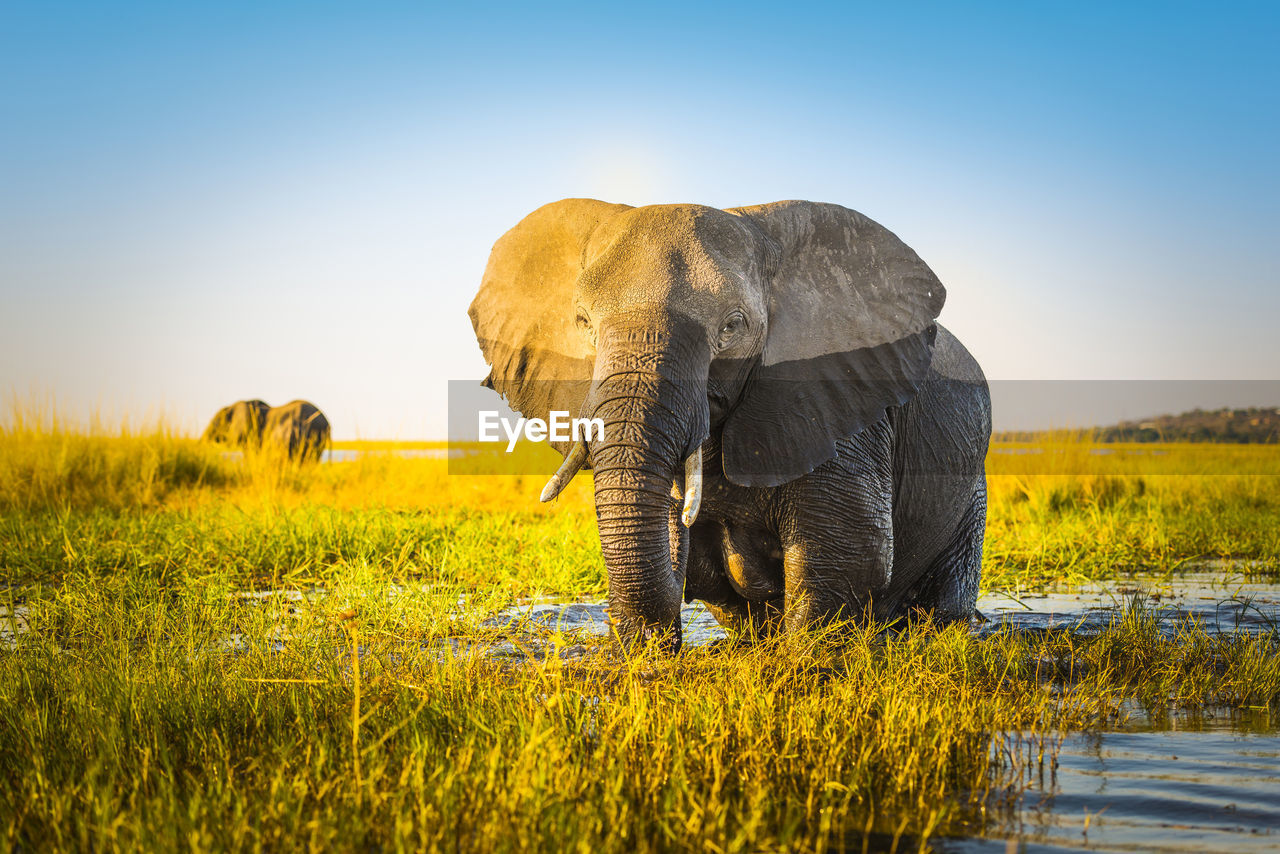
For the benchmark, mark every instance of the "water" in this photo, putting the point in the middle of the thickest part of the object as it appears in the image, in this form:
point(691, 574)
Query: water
point(13, 624)
point(537, 621)
point(346, 455)
point(1195, 782)
point(1219, 602)
point(1198, 780)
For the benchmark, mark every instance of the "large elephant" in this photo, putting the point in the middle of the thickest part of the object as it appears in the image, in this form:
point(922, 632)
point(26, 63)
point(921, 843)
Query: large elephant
point(298, 430)
point(788, 434)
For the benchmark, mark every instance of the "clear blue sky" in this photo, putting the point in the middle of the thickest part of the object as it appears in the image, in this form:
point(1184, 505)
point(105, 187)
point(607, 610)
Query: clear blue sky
point(277, 200)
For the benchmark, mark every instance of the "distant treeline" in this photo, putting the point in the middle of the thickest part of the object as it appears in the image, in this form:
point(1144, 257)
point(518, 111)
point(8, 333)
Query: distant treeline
point(1236, 426)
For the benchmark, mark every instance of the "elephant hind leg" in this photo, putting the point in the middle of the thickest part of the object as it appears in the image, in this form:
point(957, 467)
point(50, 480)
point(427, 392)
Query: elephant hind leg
point(949, 588)
point(752, 619)
point(707, 579)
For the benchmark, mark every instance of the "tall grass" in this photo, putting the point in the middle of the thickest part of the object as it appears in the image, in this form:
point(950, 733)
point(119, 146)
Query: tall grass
point(1071, 510)
point(1062, 514)
point(128, 723)
point(146, 702)
point(47, 462)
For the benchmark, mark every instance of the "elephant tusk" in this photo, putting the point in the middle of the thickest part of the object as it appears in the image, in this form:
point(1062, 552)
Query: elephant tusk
point(572, 464)
point(692, 487)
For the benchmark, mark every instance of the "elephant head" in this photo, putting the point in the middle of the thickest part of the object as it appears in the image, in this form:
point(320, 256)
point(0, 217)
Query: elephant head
point(298, 430)
point(239, 424)
point(781, 328)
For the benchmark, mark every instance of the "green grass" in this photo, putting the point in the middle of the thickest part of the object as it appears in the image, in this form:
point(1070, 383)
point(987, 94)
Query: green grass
point(129, 724)
point(149, 704)
point(1069, 515)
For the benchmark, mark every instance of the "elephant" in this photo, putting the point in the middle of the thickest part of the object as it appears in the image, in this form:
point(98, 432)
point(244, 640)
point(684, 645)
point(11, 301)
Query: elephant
point(789, 435)
point(239, 424)
point(298, 430)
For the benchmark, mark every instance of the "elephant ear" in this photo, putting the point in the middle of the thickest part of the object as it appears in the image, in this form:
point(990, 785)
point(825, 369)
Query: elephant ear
point(524, 314)
point(218, 424)
point(850, 333)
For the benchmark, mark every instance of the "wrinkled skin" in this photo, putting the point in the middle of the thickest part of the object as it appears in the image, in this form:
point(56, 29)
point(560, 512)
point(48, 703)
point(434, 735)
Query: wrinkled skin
point(297, 430)
point(842, 431)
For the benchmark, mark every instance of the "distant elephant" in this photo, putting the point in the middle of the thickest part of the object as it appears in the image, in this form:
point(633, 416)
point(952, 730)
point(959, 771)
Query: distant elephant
point(239, 424)
point(789, 435)
point(297, 429)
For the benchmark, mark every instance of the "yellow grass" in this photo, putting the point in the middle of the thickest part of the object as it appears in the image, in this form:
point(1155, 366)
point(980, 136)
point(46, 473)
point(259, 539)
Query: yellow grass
point(147, 703)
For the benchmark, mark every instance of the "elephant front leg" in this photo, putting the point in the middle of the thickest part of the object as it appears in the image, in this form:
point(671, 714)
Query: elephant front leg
point(837, 543)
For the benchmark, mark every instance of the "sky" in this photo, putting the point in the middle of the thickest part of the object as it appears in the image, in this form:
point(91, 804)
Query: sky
point(206, 202)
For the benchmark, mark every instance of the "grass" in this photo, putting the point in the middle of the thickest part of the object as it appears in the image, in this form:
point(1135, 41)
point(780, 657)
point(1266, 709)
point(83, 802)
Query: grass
point(1074, 510)
point(149, 703)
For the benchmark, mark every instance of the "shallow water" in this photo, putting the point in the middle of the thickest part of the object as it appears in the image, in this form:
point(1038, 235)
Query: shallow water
point(13, 624)
point(346, 455)
point(1218, 602)
point(538, 620)
point(1194, 782)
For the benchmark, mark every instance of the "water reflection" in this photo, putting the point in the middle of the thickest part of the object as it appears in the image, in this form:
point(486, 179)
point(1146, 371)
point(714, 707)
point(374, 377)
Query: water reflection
point(1202, 781)
point(1218, 602)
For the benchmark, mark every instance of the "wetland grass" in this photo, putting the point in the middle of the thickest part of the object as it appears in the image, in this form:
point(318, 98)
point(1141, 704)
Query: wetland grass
point(149, 702)
point(136, 717)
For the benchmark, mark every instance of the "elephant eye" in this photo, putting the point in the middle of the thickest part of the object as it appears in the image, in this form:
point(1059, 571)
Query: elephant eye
point(732, 326)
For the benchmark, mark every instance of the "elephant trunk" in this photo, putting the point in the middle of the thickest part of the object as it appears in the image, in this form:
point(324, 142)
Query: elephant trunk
point(650, 392)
